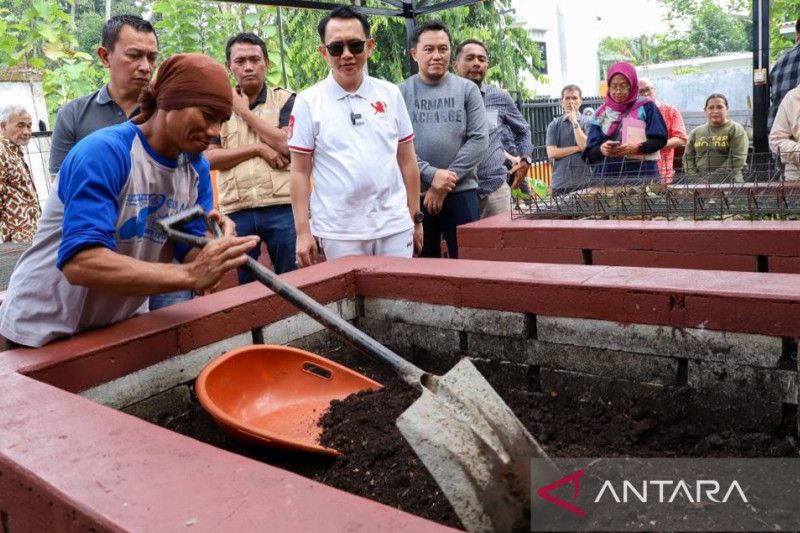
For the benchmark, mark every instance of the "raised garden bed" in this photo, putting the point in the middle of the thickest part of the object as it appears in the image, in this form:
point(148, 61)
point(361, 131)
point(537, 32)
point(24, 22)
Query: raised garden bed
point(553, 333)
point(685, 199)
point(614, 419)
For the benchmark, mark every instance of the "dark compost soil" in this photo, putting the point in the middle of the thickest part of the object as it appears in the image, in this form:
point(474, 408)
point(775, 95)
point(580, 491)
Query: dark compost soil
point(379, 464)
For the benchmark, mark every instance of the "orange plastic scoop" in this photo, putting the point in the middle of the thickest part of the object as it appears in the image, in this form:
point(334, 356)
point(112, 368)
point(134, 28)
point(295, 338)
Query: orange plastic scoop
point(275, 395)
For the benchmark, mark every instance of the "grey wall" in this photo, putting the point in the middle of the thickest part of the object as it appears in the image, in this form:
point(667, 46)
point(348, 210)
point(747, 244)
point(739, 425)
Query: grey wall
point(688, 92)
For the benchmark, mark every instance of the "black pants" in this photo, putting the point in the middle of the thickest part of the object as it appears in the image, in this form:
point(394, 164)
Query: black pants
point(458, 208)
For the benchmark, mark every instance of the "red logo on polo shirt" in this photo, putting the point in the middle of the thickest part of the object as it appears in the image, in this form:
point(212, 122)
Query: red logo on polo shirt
point(379, 107)
point(290, 127)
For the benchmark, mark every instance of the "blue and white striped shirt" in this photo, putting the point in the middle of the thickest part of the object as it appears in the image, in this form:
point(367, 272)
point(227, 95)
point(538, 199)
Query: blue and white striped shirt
point(500, 113)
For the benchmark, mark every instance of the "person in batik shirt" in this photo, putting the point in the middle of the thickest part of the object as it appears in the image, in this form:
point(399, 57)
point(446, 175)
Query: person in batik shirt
point(19, 204)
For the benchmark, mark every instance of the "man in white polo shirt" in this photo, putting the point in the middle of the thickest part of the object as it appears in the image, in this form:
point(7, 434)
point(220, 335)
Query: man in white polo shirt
point(354, 133)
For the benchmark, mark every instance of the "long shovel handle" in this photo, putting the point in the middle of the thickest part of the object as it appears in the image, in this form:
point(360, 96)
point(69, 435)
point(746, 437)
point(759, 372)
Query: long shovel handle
point(410, 373)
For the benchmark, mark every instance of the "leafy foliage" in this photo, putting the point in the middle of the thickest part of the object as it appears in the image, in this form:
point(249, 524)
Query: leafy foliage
point(710, 30)
point(60, 37)
point(205, 27)
point(641, 50)
point(39, 33)
point(518, 52)
point(782, 11)
point(71, 78)
point(34, 32)
point(714, 31)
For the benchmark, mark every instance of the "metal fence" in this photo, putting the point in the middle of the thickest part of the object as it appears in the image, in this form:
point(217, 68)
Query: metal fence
point(539, 113)
point(37, 154)
point(765, 186)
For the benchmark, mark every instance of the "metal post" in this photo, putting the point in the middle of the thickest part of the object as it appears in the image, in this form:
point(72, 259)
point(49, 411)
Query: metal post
point(760, 74)
point(500, 15)
point(283, 52)
point(409, 9)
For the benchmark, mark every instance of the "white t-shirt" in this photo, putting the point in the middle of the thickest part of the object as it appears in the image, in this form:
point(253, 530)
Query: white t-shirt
point(358, 192)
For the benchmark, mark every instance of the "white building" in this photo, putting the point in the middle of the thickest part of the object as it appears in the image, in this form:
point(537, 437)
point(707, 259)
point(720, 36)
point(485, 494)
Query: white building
point(687, 83)
point(569, 35)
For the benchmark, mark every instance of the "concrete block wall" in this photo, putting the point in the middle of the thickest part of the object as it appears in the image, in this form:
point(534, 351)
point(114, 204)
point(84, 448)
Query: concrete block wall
point(759, 246)
point(545, 351)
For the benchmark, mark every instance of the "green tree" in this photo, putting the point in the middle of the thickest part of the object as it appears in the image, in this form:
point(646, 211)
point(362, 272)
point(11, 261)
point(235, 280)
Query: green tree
point(782, 11)
point(61, 36)
point(724, 32)
point(642, 50)
point(712, 29)
point(34, 33)
point(40, 34)
point(205, 27)
point(611, 50)
point(390, 60)
point(90, 15)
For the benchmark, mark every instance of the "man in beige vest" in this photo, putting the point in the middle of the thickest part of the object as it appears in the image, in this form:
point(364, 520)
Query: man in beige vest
point(252, 156)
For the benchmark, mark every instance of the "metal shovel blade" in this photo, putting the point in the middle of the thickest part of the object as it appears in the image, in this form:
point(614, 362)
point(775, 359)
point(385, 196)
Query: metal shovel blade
point(475, 448)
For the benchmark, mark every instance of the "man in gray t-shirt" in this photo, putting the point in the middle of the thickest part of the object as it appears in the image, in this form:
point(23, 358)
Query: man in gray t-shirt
point(451, 138)
point(566, 139)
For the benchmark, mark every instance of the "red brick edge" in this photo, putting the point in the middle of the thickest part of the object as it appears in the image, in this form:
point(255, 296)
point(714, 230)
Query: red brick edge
point(68, 463)
point(708, 245)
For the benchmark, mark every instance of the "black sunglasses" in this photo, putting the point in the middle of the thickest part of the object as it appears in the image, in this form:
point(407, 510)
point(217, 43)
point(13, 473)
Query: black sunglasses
point(336, 49)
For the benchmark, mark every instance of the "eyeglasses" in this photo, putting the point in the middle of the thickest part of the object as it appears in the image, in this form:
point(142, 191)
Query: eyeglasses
point(336, 49)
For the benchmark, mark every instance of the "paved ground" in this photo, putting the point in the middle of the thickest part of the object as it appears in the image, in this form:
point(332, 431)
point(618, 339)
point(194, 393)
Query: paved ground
point(9, 253)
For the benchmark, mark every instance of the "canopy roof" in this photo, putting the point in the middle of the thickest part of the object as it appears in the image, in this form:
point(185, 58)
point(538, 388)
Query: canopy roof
point(399, 8)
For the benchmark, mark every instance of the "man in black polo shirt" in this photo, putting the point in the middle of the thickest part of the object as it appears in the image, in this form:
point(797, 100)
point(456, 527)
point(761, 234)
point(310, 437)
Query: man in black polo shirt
point(128, 50)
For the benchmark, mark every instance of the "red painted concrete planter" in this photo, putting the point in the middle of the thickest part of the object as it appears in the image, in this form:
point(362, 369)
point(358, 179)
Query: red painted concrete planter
point(67, 463)
point(706, 245)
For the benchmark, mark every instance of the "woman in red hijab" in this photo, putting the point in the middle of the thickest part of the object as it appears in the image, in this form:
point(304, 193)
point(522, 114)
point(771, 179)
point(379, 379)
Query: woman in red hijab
point(626, 132)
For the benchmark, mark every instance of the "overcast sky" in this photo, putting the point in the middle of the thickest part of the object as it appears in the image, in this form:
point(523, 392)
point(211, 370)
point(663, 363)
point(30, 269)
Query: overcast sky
point(619, 19)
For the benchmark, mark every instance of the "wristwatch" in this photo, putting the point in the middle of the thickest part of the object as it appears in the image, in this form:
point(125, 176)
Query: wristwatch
point(418, 217)
point(526, 159)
